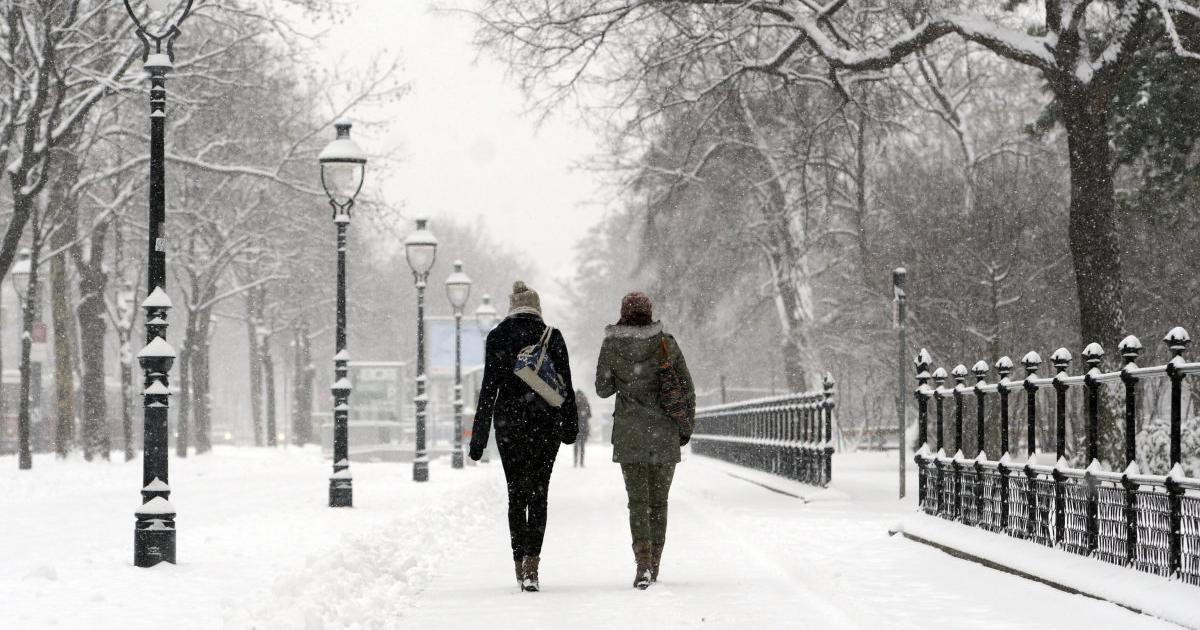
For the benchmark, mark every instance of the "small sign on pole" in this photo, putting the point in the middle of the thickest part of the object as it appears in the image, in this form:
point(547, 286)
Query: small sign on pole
point(37, 351)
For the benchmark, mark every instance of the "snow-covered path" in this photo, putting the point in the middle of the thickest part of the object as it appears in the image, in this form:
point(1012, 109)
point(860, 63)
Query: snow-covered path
point(712, 575)
point(740, 556)
point(259, 549)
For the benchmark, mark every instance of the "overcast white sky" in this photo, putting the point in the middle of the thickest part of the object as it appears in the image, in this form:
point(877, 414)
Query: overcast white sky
point(469, 150)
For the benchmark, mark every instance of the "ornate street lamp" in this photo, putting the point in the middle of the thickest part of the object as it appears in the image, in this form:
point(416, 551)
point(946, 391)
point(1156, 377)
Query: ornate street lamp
point(154, 534)
point(458, 290)
point(19, 275)
point(485, 315)
point(343, 166)
point(24, 281)
point(420, 248)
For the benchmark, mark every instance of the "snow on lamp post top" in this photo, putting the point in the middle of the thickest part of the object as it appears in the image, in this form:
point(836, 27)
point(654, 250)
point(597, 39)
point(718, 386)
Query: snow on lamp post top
point(420, 248)
point(458, 287)
point(20, 273)
point(486, 313)
point(343, 166)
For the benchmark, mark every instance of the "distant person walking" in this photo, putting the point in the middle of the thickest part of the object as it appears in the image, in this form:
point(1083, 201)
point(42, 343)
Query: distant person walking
point(529, 426)
point(646, 436)
point(585, 425)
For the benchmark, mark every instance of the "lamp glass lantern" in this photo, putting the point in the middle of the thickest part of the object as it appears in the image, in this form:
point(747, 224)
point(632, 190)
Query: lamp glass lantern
point(485, 315)
point(20, 273)
point(458, 287)
point(420, 248)
point(343, 166)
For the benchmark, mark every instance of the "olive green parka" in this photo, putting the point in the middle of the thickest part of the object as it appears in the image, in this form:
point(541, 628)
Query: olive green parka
point(628, 366)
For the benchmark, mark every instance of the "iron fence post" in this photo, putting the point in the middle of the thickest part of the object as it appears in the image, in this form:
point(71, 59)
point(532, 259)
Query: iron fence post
point(922, 362)
point(960, 375)
point(1004, 367)
point(1129, 348)
point(980, 370)
point(1092, 355)
point(1177, 340)
point(939, 378)
point(1031, 361)
point(1062, 361)
point(829, 403)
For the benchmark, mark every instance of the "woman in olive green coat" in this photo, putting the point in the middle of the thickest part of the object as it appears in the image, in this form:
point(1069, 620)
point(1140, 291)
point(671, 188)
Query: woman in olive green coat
point(646, 441)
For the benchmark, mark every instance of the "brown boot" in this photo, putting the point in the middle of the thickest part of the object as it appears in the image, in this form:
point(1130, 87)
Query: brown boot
point(520, 567)
point(641, 554)
point(531, 574)
point(656, 550)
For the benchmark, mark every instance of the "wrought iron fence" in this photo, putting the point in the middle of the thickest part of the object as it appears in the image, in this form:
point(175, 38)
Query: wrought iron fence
point(1150, 522)
point(790, 435)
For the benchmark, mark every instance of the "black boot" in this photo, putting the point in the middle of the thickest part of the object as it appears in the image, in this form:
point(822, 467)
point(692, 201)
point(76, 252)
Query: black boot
point(520, 567)
point(530, 583)
point(641, 554)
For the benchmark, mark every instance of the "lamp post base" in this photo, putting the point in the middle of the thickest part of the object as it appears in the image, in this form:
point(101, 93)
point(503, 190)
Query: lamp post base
point(341, 489)
point(340, 494)
point(154, 541)
point(420, 470)
point(456, 459)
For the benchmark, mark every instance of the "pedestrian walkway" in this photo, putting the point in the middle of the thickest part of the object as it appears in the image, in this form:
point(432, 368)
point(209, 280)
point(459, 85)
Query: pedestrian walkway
point(738, 555)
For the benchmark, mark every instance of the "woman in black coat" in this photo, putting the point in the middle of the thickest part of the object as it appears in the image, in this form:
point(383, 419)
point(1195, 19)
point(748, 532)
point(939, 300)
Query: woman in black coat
point(528, 430)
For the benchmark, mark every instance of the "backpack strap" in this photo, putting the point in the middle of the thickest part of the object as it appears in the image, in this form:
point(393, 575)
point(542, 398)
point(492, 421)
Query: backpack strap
point(664, 354)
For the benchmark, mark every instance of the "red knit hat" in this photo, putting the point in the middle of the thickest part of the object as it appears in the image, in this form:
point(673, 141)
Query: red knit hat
point(636, 310)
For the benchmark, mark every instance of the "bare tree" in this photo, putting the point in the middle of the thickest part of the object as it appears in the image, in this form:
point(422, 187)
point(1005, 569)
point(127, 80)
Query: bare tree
point(1080, 48)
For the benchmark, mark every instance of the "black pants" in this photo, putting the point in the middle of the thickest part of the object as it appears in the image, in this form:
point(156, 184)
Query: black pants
point(579, 443)
point(528, 477)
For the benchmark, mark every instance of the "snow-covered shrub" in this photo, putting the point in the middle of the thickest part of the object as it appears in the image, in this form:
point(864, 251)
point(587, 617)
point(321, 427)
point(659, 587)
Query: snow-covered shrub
point(1154, 446)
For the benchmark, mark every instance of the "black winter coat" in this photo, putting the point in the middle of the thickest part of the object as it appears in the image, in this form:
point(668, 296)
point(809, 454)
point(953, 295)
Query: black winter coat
point(525, 424)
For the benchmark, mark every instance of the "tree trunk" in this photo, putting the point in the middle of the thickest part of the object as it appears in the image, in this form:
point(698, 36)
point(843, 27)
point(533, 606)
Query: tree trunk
point(66, 172)
point(253, 317)
point(64, 355)
point(268, 366)
point(93, 328)
point(202, 398)
point(182, 419)
point(126, 367)
point(302, 407)
point(1095, 241)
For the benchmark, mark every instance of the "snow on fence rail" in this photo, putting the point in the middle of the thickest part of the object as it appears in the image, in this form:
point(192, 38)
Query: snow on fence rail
point(1150, 522)
point(790, 435)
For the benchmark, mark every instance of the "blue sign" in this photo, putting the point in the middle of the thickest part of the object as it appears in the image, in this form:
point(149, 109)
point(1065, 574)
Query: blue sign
point(440, 337)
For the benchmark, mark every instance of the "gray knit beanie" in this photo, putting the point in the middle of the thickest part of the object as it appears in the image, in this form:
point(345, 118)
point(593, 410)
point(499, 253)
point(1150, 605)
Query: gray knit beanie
point(524, 297)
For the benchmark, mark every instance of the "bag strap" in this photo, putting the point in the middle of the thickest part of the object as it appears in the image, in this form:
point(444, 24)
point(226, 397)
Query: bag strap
point(544, 342)
point(664, 355)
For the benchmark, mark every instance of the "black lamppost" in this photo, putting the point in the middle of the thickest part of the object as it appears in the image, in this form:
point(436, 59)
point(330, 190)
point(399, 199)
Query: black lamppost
point(458, 290)
point(420, 248)
point(154, 534)
point(899, 317)
point(24, 276)
point(342, 168)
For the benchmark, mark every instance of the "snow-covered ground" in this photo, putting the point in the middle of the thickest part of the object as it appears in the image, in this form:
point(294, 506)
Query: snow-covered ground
point(259, 549)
